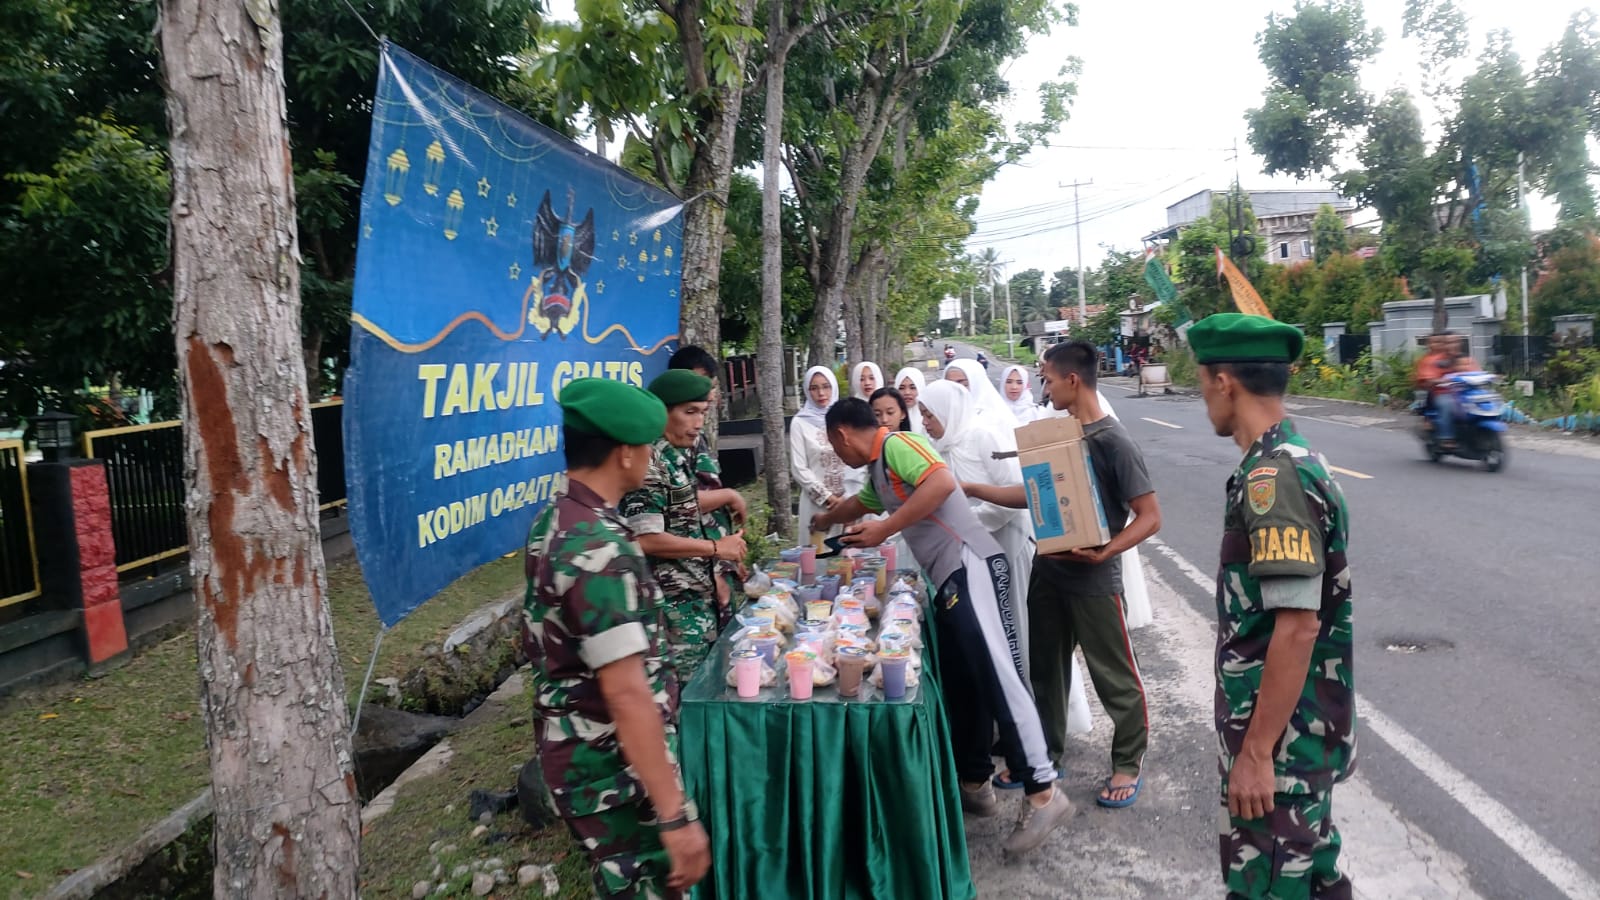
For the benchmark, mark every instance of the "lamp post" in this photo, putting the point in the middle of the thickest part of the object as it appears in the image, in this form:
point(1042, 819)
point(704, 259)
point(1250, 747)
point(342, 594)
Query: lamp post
point(53, 431)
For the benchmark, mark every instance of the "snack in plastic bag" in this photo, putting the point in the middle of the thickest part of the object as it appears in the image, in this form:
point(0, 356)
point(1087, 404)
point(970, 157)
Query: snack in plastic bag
point(759, 583)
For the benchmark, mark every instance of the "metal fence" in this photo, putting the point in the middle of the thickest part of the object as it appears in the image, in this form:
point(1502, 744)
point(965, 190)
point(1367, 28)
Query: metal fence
point(1351, 346)
point(19, 565)
point(1519, 353)
point(144, 472)
point(740, 400)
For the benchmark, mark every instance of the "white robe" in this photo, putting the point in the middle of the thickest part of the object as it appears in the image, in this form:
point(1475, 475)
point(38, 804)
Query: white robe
point(969, 443)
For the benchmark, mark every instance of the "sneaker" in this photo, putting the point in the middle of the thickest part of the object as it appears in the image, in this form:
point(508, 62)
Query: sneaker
point(980, 801)
point(1037, 823)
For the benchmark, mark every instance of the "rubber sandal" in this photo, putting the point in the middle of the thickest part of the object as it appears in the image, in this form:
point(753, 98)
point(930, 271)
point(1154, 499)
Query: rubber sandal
point(1119, 804)
point(1004, 782)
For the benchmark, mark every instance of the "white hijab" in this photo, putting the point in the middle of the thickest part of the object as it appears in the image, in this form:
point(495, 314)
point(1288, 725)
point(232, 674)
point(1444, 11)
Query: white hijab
point(985, 399)
point(855, 380)
point(812, 413)
point(1023, 408)
point(912, 409)
point(964, 427)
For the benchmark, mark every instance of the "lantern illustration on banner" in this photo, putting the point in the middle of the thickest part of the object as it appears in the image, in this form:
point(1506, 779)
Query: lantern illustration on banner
point(394, 183)
point(454, 204)
point(433, 169)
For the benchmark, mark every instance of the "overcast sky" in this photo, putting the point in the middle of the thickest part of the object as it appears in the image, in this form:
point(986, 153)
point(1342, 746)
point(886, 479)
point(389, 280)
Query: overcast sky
point(1177, 76)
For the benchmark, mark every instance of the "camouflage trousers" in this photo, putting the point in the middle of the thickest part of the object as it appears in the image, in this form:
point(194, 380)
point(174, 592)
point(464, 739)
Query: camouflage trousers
point(1290, 854)
point(626, 853)
point(691, 619)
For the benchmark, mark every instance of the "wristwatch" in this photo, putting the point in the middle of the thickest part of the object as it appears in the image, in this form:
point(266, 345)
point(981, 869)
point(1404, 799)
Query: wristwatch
point(690, 813)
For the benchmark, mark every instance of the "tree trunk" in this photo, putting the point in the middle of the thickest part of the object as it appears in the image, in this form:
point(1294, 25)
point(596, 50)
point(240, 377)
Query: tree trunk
point(1441, 316)
point(710, 175)
point(769, 341)
point(287, 816)
point(311, 346)
point(831, 298)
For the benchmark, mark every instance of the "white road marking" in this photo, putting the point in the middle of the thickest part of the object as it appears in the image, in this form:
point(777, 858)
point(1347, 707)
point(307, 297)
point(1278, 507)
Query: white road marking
point(1558, 868)
point(1351, 472)
point(1161, 423)
point(1329, 421)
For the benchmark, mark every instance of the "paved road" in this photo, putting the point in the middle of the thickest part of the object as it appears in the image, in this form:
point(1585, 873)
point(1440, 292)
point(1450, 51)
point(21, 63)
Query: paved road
point(1478, 620)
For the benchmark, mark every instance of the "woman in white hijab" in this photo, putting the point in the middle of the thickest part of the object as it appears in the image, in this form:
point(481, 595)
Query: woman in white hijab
point(985, 399)
point(910, 384)
point(968, 443)
point(1018, 394)
point(864, 379)
point(823, 477)
point(1135, 593)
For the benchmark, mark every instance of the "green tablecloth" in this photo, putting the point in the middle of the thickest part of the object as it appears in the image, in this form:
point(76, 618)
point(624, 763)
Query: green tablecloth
point(824, 798)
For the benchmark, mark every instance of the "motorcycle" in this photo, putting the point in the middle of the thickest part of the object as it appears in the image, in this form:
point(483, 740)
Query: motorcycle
point(1480, 432)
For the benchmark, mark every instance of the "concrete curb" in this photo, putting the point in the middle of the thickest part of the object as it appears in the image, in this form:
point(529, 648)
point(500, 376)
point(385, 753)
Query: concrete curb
point(95, 877)
point(91, 879)
point(437, 759)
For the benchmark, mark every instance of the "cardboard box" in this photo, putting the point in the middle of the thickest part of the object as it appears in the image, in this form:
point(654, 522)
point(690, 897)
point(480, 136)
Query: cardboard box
point(1063, 497)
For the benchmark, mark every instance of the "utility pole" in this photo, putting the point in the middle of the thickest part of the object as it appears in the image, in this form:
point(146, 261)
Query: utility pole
point(1522, 205)
point(1077, 231)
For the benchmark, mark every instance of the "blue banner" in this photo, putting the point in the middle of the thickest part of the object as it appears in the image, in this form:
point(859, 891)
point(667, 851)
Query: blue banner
point(497, 262)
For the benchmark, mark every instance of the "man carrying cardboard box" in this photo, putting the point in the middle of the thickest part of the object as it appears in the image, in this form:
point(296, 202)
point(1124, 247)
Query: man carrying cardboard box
point(1075, 597)
point(977, 640)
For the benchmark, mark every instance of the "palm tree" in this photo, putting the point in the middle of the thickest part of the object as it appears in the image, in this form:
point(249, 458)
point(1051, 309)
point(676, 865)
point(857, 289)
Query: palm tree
point(990, 270)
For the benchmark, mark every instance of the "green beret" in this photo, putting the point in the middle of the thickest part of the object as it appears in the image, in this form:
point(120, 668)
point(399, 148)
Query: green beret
point(612, 409)
point(676, 386)
point(1240, 338)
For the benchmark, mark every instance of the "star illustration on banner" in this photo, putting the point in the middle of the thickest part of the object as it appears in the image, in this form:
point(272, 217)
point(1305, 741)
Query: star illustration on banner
point(366, 230)
point(599, 287)
point(511, 199)
point(616, 235)
point(492, 227)
point(633, 237)
point(516, 271)
point(622, 262)
point(483, 186)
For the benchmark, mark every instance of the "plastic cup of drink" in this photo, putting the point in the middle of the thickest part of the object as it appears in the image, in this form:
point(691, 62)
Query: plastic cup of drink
point(812, 625)
point(894, 665)
point(829, 585)
point(818, 609)
point(809, 593)
point(791, 555)
point(808, 563)
point(817, 539)
point(852, 665)
point(891, 556)
point(767, 645)
point(800, 684)
point(747, 672)
point(866, 587)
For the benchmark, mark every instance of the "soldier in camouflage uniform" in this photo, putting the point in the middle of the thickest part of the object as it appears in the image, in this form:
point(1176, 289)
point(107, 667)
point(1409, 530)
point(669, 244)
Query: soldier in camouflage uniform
point(1286, 726)
point(605, 701)
point(668, 515)
point(722, 521)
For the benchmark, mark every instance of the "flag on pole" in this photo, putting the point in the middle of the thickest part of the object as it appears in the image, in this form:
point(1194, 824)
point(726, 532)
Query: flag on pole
point(1244, 296)
point(1155, 275)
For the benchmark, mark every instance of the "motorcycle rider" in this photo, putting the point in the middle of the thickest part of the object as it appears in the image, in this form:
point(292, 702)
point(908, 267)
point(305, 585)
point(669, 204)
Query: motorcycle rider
point(1432, 370)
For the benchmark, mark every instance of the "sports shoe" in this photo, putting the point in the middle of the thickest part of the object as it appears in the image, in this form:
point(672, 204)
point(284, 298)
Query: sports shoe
point(1036, 823)
point(980, 801)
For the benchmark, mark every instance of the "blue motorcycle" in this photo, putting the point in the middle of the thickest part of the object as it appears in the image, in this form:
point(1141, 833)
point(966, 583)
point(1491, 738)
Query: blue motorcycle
point(1480, 432)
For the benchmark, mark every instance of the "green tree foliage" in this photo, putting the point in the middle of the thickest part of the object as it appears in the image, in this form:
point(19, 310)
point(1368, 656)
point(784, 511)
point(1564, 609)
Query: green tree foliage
point(1571, 284)
point(1342, 287)
point(1449, 210)
point(1313, 94)
point(84, 251)
point(1328, 233)
point(78, 77)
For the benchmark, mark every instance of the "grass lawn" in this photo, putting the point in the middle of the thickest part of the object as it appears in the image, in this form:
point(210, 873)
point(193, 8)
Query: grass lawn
point(91, 764)
point(395, 850)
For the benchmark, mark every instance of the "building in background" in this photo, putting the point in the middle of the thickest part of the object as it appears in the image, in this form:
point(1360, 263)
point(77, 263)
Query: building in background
point(1284, 218)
